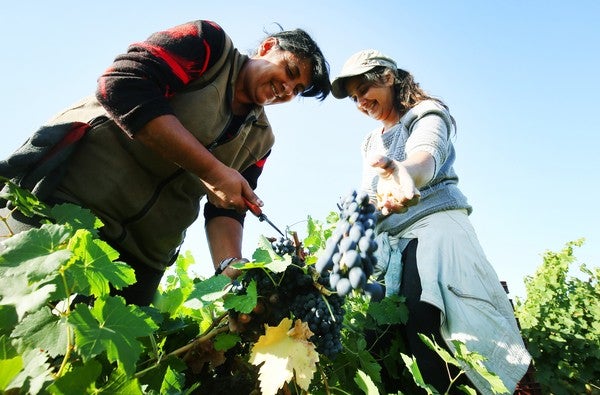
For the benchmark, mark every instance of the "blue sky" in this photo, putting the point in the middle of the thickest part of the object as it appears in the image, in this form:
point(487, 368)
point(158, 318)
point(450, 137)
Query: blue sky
point(520, 77)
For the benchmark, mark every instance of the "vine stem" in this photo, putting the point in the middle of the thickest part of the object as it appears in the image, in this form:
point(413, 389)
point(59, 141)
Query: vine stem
point(5, 220)
point(69, 345)
point(211, 332)
point(198, 340)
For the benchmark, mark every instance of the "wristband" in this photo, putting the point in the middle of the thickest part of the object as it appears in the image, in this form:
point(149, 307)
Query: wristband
point(223, 265)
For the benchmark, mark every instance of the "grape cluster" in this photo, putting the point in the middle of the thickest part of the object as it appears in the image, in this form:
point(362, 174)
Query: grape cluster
point(348, 253)
point(296, 292)
point(283, 246)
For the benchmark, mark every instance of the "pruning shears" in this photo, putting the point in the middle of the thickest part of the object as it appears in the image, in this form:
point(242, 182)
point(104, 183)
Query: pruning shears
point(257, 211)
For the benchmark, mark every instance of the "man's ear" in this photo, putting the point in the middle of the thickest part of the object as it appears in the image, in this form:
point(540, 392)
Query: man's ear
point(268, 44)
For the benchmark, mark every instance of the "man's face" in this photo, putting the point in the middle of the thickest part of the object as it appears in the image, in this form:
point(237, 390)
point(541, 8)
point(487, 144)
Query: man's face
point(275, 76)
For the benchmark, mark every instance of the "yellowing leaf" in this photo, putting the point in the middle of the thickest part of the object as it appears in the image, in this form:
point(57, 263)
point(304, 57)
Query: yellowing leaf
point(285, 353)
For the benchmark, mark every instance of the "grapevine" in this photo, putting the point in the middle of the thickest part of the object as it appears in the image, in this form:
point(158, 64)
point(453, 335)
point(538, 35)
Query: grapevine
point(299, 291)
point(200, 335)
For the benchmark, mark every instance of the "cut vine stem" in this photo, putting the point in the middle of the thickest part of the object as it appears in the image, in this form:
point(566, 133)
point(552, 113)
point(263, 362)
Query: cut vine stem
point(211, 332)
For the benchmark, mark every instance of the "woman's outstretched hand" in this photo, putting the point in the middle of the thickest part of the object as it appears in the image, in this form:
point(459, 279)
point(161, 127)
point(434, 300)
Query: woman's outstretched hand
point(396, 190)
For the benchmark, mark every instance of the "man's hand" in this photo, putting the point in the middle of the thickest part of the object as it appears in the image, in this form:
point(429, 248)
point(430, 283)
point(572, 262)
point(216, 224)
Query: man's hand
point(396, 190)
point(225, 188)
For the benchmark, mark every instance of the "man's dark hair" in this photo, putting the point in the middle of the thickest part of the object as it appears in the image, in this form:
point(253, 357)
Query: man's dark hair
point(301, 44)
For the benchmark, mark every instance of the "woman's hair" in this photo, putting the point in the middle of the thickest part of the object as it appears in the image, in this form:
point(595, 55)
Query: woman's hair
point(302, 45)
point(408, 92)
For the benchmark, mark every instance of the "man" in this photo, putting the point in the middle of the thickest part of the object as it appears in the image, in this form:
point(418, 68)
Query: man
point(178, 117)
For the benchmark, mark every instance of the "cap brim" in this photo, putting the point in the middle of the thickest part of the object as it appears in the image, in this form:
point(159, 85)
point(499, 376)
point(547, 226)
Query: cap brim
point(338, 88)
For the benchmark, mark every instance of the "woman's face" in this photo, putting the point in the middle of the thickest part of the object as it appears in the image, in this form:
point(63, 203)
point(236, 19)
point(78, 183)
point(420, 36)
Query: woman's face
point(373, 99)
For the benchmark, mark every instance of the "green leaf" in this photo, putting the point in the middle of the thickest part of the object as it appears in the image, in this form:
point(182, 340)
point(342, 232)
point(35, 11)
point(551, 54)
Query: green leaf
point(120, 383)
point(77, 217)
point(8, 319)
point(169, 301)
point(365, 383)
point(94, 269)
point(36, 252)
point(470, 391)
point(45, 331)
point(9, 368)
point(173, 382)
point(225, 341)
point(390, 310)
point(242, 303)
point(35, 374)
point(80, 380)
point(209, 290)
point(265, 256)
point(25, 296)
point(7, 349)
point(443, 353)
point(27, 203)
point(113, 327)
point(475, 362)
point(413, 368)
point(369, 364)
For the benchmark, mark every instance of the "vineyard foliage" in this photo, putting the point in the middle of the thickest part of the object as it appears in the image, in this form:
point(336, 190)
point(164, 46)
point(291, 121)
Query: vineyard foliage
point(560, 320)
point(63, 331)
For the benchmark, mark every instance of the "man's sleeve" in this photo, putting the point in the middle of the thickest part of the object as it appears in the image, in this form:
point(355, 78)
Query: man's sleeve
point(136, 87)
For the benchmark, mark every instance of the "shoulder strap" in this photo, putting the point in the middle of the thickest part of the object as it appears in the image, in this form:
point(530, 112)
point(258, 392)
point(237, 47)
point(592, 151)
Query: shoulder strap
point(208, 77)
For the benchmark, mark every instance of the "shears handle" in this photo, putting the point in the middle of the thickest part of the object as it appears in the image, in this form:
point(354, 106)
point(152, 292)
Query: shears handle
point(254, 209)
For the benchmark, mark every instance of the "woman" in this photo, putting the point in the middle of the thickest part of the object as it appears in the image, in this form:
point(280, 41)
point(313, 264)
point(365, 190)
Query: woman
point(429, 252)
point(179, 116)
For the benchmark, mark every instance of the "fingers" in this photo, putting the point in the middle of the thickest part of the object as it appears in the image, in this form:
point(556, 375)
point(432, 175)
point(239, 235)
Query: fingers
point(397, 203)
point(248, 193)
point(385, 164)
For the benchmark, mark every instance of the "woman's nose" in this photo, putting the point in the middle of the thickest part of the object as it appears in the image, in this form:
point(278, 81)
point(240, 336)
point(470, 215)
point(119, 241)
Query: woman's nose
point(361, 103)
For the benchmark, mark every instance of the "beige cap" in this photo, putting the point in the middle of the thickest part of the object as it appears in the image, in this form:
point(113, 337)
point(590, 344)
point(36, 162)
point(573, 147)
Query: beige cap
point(358, 64)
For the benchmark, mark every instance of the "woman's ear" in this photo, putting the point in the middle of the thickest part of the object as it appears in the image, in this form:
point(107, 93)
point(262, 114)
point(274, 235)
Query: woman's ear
point(389, 77)
point(268, 44)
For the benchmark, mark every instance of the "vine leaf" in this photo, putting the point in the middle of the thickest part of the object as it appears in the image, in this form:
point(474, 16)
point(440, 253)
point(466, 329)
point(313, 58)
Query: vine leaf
point(265, 256)
point(174, 384)
point(9, 368)
point(242, 303)
point(365, 383)
point(225, 341)
point(77, 217)
point(80, 380)
point(43, 330)
point(26, 296)
point(120, 382)
point(208, 290)
point(284, 354)
point(411, 364)
point(111, 326)
point(390, 310)
point(475, 362)
point(26, 201)
point(35, 374)
point(36, 252)
point(94, 268)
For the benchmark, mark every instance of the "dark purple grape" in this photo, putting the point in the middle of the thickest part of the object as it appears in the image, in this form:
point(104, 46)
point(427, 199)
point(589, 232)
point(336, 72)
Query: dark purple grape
point(357, 277)
point(375, 290)
point(343, 286)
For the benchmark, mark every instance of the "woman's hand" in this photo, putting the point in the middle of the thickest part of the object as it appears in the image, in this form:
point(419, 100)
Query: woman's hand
point(396, 189)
